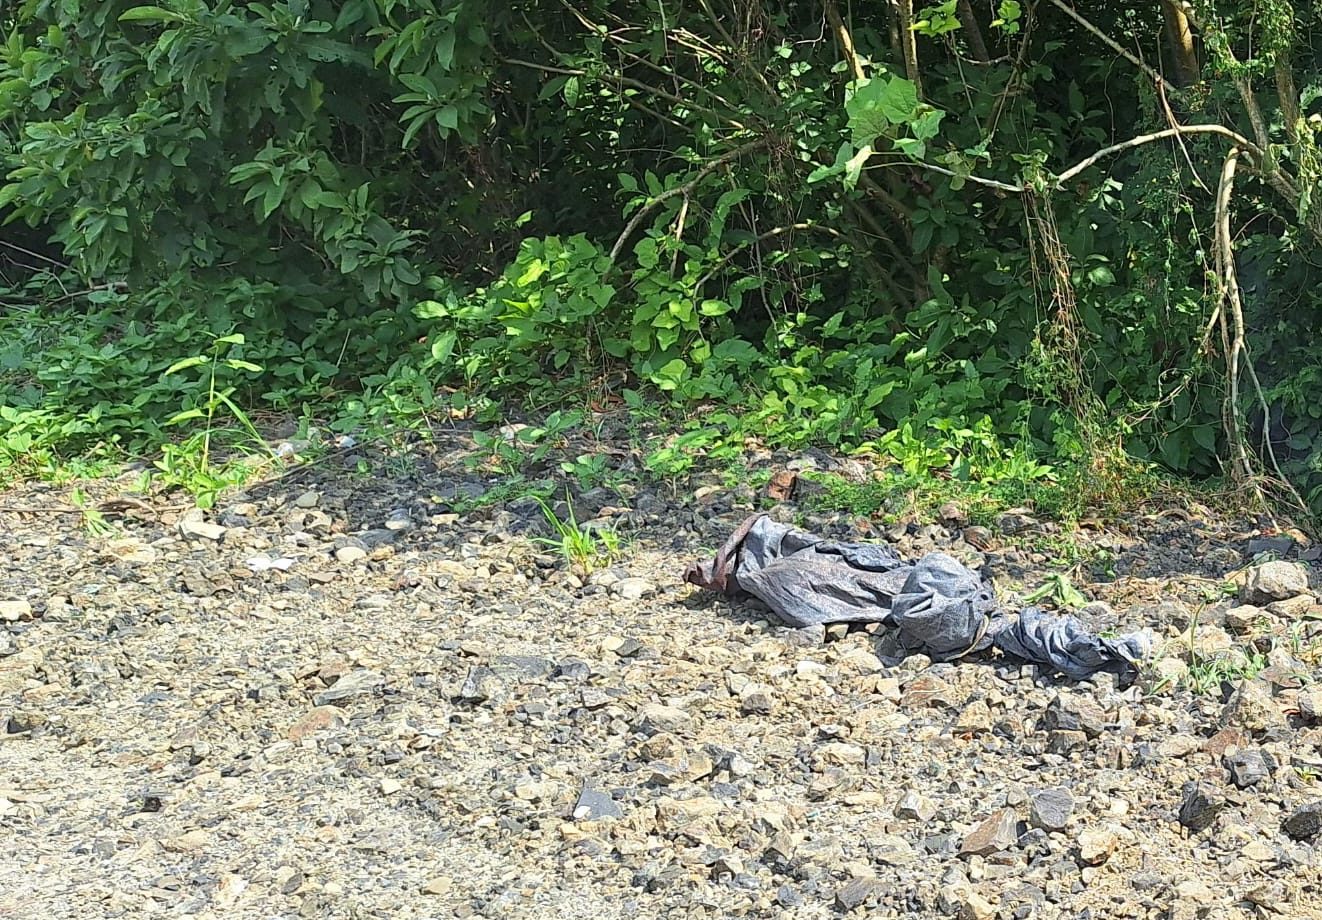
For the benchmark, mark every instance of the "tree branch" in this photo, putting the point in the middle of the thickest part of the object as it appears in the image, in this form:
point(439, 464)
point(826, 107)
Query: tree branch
point(1239, 140)
point(846, 40)
point(684, 189)
point(1112, 44)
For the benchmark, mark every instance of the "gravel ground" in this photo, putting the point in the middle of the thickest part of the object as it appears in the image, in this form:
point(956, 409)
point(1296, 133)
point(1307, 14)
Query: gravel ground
point(344, 695)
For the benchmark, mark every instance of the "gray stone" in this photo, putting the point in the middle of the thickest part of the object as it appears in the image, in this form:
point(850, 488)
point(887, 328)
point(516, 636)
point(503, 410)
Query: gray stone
point(757, 699)
point(1050, 809)
point(1249, 767)
point(593, 805)
point(857, 892)
point(1305, 822)
point(480, 684)
point(1274, 581)
point(1200, 805)
point(355, 683)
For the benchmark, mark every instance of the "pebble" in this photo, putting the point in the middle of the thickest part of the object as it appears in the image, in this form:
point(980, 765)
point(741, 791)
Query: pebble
point(1096, 845)
point(757, 699)
point(1249, 767)
point(14, 611)
point(197, 529)
point(974, 719)
point(1199, 806)
point(438, 885)
point(353, 684)
point(593, 805)
point(1305, 822)
point(857, 892)
point(350, 554)
point(1050, 809)
point(322, 718)
point(633, 589)
point(916, 806)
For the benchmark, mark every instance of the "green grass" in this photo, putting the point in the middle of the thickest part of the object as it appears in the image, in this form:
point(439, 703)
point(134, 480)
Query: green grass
point(582, 548)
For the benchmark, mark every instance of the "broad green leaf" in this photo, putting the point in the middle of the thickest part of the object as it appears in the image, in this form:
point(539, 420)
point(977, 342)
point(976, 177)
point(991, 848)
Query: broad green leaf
point(443, 346)
point(234, 338)
point(185, 416)
point(186, 363)
point(150, 14)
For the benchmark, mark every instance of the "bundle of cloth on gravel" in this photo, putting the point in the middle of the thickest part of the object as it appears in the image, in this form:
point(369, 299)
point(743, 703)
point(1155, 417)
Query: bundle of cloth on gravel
point(937, 606)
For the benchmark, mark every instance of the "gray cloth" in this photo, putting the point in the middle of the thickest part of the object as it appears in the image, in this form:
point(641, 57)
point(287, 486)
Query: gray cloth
point(936, 605)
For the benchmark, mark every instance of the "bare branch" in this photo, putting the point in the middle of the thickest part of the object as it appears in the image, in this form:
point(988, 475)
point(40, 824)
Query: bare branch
point(1239, 140)
point(1113, 44)
point(684, 189)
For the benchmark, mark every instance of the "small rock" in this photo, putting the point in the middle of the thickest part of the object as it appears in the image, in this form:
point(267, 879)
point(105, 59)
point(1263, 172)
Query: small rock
point(996, 832)
point(390, 786)
point(952, 513)
point(1305, 822)
point(916, 806)
point(1050, 809)
point(439, 885)
point(13, 611)
point(195, 529)
point(757, 699)
point(977, 537)
point(1249, 767)
point(187, 842)
point(657, 717)
point(593, 805)
point(1200, 805)
point(974, 719)
point(1096, 846)
point(308, 499)
point(633, 589)
point(322, 718)
point(1274, 581)
point(355, 683)
point(350, 554)
point(1251, 707)
point(858, 891)
point(1292, 608)
point(1244, 618)
point(480, 685)
point(1074, 714)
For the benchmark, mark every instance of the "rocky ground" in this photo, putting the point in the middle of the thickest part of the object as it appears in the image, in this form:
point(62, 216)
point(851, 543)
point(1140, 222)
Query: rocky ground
point(347, 695)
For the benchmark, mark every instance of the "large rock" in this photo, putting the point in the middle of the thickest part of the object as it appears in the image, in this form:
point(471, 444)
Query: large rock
point(1274, 581)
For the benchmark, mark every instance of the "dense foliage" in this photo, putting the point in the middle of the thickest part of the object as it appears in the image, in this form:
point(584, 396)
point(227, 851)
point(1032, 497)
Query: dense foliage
point(853, 224)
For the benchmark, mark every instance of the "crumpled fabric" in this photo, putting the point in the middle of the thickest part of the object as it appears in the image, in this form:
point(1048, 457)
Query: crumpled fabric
point(936, 605)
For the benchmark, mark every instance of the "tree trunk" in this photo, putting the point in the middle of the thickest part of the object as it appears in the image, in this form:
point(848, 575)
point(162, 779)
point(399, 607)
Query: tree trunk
point(968, 24)
point(1180, 35)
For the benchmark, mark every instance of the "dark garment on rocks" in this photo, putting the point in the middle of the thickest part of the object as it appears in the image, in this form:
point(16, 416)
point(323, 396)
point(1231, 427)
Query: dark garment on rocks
point(937, 605)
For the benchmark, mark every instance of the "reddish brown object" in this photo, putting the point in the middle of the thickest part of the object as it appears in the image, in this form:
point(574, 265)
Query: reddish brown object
point(781, 486)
